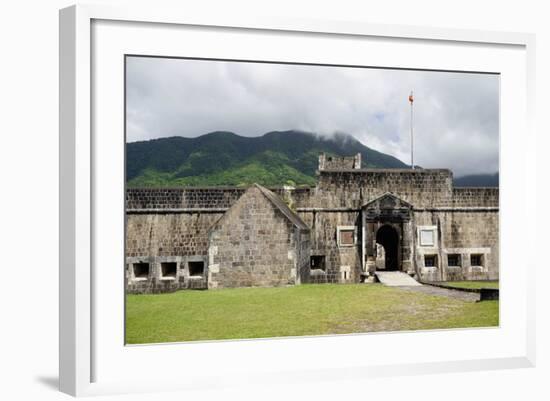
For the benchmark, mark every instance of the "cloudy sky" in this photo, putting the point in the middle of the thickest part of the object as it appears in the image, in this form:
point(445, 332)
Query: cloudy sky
point(456, 115)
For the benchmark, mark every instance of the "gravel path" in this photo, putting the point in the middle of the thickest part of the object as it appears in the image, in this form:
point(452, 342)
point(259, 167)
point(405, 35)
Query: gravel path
point(443, 292)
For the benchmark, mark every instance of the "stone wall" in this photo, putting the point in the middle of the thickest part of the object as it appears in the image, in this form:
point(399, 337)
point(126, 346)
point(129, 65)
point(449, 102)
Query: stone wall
point(338, 259)
point(154, 234)
point(254, 244)
point(158, 282)
point(157, 238)
point(353, 188)
point(461, 233)
point(330, 162)
point(196, 198)
point(302, 244)
point(475, 197)
point(182, 198)
point(336, 189)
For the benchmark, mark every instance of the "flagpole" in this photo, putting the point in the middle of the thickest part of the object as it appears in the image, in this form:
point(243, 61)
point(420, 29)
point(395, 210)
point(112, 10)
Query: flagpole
point(411, 100)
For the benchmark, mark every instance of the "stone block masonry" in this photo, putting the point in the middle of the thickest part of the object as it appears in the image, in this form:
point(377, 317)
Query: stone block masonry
point(354, 188)
point(154, 239)
point(166, 235)
point(256, 244)
point(182, 198)
point(329, 162)
point(475, 197)
point(336, 189)
point(324, 226)
point(469, 239)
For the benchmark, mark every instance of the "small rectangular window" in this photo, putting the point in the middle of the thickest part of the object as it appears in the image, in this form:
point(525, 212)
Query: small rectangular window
point(430, 260)
point(141, 270)
point(454, 260)
point(346, 235)
point(476, 260)
point(196, 268)
point(317, 262)
point(168, 269)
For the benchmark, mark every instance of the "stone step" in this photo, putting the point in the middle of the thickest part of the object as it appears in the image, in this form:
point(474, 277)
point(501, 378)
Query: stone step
point(396, 279)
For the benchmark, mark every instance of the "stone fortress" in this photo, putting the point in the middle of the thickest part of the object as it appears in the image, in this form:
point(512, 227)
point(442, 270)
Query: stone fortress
point(354, 223)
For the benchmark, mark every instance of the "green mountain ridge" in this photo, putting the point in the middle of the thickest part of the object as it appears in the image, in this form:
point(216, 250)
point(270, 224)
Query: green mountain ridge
point(224, 158)
point(276, 158)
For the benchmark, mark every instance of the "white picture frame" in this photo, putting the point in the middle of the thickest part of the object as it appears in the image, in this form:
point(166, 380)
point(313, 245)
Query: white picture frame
point(84, 323)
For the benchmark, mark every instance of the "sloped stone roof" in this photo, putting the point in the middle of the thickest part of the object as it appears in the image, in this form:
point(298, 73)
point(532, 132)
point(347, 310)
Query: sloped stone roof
point(283, 207)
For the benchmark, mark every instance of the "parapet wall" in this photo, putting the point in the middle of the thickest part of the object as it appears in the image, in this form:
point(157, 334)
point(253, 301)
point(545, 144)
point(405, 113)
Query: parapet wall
point(182, 198)
point(424, 189)
point(475, 197)
point(199, 198)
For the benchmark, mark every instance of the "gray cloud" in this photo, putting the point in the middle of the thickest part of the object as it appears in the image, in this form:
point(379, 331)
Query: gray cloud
point(456, 115)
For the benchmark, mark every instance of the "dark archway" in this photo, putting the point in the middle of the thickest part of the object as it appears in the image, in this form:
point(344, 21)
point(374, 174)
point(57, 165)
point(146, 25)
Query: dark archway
point(388, 237)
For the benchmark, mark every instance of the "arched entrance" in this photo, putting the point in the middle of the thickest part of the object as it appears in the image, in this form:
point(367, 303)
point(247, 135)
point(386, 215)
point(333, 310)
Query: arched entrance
point(387, 229)
point(388, 238)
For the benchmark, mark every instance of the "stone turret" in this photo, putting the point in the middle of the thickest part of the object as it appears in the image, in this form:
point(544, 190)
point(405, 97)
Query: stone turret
point(339, 162)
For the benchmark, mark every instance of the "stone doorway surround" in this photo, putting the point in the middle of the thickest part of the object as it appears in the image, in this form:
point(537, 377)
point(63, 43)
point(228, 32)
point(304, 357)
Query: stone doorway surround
point(387, 210)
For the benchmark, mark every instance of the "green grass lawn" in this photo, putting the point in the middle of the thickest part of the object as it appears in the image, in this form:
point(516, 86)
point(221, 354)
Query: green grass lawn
point(472, 284)
point(294, 311)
